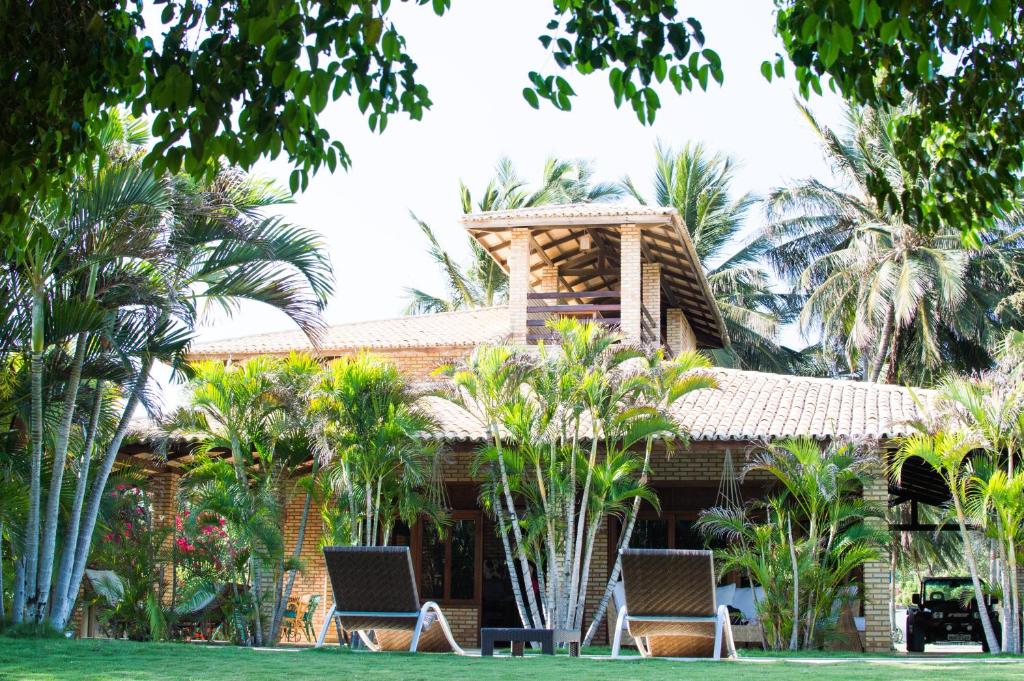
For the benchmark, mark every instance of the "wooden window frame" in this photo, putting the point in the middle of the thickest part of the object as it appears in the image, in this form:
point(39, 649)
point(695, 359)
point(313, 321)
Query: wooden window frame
point(670, 518)
point(478, 551)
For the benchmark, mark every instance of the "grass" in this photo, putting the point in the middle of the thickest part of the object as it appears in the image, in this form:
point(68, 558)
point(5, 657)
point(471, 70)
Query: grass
point(98, 660)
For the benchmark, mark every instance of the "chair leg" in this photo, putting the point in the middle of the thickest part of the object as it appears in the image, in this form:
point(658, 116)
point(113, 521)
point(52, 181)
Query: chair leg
point(620, 623)
point(718, 638)
point(417, 631)
point(442, 622)
point(323, 630)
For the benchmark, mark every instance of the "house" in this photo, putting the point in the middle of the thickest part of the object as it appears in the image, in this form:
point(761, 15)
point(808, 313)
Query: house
point(633, 268)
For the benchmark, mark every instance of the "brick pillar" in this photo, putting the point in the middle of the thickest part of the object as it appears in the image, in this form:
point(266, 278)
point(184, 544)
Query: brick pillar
point(518, 283)
point(163, 489)
point(678, 332)
point(549, 280)
point(651, 295)
point(630, 282)
point(877, 630)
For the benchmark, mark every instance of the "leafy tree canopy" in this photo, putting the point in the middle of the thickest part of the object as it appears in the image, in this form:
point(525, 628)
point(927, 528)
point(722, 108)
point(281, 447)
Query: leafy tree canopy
point(959, 62)
point(242, 79)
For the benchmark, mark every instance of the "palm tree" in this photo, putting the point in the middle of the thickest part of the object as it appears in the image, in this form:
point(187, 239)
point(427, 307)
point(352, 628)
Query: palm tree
point(893, 300)
point(375, 441)
point(698, 184)
point(668, 382)
point(802, 544)
point(481, 282)
point(549, 417)
point(257, 412)
point(996, 500)
point(820, 488)
point(102, 284)
point(108, 219)
point(947, 454)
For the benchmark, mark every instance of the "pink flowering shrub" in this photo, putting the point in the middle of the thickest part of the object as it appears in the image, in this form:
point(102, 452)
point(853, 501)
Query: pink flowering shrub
point(204, 552)
point(133, 545)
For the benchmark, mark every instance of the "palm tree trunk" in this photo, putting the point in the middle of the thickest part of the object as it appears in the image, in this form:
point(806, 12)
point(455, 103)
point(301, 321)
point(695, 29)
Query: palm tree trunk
point(510, 563)
point(794, 637)
point(577, 622)
point(1004, 584)
point(1015, 597)
point(36, 461)
point(972, 563)
point(547, 586)
point(581, 523)
point(883, 347)
point(99, 485)
point(60, 455)
point(18, 602)
point(369, 541)
point(67, 555)
point(627, 534)
point(517, 534)
point(257, 594)
point(3, 612)
point(275, 624)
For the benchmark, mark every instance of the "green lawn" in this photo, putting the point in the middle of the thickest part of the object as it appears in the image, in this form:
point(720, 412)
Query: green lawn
point(121, 660)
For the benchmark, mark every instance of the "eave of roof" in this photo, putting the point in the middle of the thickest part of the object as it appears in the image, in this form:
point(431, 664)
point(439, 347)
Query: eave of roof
point(460, 329)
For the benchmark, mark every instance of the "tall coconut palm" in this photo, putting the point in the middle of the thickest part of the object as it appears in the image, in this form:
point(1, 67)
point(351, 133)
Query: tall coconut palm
point(699, 184)
point(481, 282)
point(894, 301)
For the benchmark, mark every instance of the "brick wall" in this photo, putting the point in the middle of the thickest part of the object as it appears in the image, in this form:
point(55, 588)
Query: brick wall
point(651, 294)
point(877, 631)
point(518, 282)
point(548, 280)
point(163, 488)
point(420, 363)
point(312, 579)
point(630, 281)
point(678, 333)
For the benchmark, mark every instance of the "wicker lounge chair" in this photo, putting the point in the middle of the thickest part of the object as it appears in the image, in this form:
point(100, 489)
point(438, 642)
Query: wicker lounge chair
point(375, 593)
point(670, 608)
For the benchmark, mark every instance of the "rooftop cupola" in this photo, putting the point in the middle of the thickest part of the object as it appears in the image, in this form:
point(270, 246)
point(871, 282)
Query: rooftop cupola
point(629, 267)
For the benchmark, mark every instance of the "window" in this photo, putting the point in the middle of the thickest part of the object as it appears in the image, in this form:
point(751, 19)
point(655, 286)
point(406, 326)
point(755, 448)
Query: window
point(667, 531)
point(448, 566)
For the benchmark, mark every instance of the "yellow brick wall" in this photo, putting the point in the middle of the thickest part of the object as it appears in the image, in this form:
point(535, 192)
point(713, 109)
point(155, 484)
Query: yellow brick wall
point(420, 363)
point(700, 464)
point(877, 631)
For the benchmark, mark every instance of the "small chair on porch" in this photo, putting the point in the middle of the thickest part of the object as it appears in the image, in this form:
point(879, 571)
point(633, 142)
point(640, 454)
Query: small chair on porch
point(375, 597)
point(670, 608)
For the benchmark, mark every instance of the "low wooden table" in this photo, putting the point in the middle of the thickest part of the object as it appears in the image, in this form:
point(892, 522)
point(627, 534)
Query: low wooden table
point(518, 637)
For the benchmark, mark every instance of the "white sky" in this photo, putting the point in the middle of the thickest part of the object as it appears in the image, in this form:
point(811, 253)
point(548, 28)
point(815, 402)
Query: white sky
point(475, 61)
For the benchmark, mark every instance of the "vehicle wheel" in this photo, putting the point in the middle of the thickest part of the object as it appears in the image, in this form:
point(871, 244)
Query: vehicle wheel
point(915, 640)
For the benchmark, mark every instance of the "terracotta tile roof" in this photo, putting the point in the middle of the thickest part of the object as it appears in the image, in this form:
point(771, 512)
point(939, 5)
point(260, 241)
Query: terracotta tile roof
point(750, 405)
point(747, 406)
point(450, 329)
